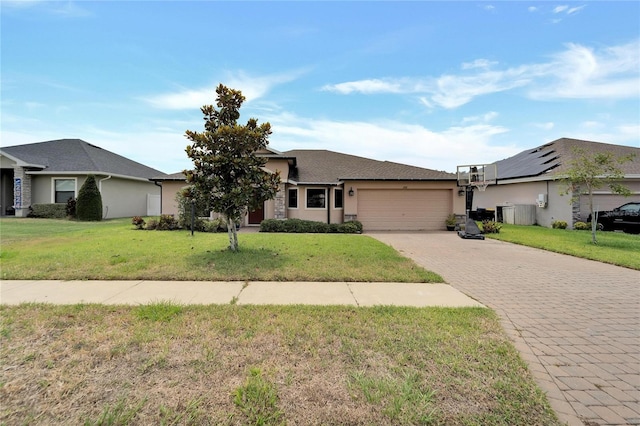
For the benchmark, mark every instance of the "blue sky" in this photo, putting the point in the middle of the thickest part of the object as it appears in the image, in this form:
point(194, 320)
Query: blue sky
point(432, 84)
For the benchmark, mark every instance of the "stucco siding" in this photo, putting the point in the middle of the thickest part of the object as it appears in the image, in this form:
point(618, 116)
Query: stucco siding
point(122, 197)
point(170, 190)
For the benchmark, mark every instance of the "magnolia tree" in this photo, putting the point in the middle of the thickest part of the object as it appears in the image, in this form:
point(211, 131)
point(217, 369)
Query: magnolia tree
point(588, 172)
point(226, 170)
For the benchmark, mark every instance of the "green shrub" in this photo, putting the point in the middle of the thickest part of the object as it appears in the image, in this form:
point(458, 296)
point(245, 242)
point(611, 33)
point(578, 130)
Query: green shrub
point(352, 227)
point(309, 226)
point(581, 226)
point(167, 223)
point(559, 224)
point(491, 227)
point(70, 208)
point(89, 201)
point(152, 225)
point(48, 211)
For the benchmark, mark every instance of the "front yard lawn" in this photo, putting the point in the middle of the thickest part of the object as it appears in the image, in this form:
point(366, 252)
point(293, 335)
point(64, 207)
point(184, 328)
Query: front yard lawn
point(114, 250)
point(167, 364)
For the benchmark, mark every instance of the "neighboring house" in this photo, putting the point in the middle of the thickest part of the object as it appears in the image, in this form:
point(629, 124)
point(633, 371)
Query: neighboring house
point(54, 171)
point(332, 187)
point(529, 182)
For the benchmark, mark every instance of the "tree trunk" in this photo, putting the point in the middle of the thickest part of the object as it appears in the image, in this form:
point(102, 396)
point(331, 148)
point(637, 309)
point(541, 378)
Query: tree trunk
point(233, 235)
point(594, 218)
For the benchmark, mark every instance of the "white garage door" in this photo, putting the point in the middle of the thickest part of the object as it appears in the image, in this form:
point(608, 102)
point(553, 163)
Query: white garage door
point(409, 209)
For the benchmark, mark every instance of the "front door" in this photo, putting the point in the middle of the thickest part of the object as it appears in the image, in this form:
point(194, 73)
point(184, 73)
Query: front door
point(256, 216)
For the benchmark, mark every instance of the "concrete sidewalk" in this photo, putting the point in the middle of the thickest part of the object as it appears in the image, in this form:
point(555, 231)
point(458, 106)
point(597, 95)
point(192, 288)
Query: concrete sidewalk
point(257, 293)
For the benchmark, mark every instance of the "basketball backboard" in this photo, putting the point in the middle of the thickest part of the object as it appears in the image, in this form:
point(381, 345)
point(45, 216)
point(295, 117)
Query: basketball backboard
point(480, 175)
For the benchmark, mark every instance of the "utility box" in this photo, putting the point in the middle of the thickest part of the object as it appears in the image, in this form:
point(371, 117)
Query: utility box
point(542, 200)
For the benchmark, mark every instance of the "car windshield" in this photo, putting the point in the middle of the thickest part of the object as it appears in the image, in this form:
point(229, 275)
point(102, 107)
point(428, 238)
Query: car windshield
point(630, 208)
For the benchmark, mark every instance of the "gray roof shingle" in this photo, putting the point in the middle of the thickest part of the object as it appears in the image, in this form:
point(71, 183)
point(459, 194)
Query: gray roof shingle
point(76, 155)
point(328, 167)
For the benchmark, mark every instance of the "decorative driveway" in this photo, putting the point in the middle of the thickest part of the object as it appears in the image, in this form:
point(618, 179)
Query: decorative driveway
point(575, 322)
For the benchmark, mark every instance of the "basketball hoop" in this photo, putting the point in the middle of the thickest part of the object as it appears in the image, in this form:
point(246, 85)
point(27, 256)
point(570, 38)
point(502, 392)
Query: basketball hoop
point(481, 185)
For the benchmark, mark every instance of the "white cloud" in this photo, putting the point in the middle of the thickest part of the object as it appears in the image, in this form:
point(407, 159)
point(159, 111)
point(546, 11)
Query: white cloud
point(573, 10)
point(366, 86)
point(560, 9)
point(484, 118)
point(576, 72)
point(252, 88)
point(580, 72)
point(479, 63)
point(452, 91)
point(532, 9)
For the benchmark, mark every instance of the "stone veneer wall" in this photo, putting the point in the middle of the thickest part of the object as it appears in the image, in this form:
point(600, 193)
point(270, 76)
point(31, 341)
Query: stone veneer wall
point(280, 210)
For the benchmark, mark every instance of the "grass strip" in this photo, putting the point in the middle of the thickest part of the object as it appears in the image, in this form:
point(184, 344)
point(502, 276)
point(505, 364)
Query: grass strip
point(230, 364)
point(616, 248)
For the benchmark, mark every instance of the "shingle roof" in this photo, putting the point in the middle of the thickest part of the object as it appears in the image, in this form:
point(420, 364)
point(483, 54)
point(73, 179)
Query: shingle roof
point(76, 155)
point(554, 158)
point(322, 166)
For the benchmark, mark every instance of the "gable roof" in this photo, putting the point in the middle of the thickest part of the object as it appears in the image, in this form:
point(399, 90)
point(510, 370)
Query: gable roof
point(75, 156)
point(329, 167)
point(554, 157)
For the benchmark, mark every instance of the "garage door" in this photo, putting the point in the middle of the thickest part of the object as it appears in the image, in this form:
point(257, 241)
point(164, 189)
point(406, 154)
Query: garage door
point(409, 209)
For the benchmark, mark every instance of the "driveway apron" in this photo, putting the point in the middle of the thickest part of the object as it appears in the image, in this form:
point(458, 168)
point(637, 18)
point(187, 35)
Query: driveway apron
point(575, 322)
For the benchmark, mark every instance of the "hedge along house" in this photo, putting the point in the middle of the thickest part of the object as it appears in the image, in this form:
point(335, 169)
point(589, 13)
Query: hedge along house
point(51, 172)
point(529, 187)
point(332, 187)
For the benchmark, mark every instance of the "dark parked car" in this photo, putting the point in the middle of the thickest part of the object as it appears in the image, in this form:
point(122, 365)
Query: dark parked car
point(624, 218)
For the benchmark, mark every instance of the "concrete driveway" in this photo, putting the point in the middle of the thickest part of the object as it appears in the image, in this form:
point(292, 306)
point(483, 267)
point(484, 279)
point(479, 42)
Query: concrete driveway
point(575, 322)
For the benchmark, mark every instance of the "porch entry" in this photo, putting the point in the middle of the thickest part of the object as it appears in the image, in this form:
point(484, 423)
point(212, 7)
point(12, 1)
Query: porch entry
point(256, 216)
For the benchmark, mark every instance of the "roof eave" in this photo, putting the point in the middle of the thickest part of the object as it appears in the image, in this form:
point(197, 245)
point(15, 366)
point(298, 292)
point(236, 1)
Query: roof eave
point(20, 162)
point(71, 173)
point(452, 179)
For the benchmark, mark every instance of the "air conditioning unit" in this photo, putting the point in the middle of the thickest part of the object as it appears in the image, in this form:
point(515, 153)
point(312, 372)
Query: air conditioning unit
point(542, 200)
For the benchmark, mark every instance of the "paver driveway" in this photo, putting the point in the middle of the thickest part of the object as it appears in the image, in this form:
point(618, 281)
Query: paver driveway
point(575, 322)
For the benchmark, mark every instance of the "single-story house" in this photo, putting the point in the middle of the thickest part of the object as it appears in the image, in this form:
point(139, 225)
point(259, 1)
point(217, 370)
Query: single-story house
point(54, 171)
point(333, 187)
point(528, 188)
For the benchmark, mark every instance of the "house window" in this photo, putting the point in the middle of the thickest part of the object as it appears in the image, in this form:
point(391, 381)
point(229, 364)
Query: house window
point(63, 190)
point(338, 198)
point(316, 198)
point(293, 198)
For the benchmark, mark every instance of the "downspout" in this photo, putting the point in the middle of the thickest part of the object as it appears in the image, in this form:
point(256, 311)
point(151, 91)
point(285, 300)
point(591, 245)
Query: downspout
point(100, 189)
point(100, 183)
point(155, 182)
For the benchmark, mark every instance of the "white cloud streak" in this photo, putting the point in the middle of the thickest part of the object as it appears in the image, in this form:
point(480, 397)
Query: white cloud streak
point(252, 88)
point(576, 72)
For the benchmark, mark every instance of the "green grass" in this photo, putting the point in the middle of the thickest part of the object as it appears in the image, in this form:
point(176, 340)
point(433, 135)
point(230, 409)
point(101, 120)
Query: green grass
point(232, 365)
point(111, 250)
point(613, 247)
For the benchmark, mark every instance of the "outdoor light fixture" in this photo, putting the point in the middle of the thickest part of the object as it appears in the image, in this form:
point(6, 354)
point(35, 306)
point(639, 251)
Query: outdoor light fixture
point(461, 192)
point(351, 192)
